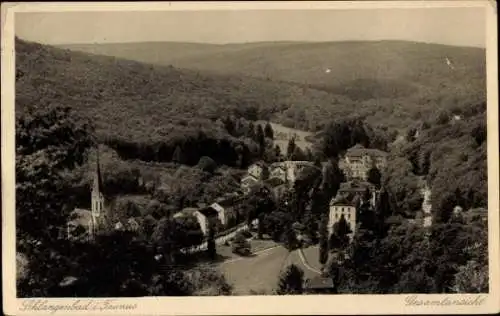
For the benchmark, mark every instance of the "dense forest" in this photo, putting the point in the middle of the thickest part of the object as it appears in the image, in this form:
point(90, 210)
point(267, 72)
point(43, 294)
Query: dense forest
point(390, 83)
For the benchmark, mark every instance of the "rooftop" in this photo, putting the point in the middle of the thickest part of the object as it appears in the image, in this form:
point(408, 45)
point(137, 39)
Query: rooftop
point(274, 181)
point(355, 186)
point(342, 200)
point(319, 282)
point(359, 150)
point(249, 177)
point(80, 216)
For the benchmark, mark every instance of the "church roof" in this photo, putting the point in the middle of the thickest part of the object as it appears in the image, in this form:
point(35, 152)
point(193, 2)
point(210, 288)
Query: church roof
point(80, 217)
point(98, 183)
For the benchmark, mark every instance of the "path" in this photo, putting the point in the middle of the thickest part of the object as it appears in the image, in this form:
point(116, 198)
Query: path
point(426, 204)
point(306, 263)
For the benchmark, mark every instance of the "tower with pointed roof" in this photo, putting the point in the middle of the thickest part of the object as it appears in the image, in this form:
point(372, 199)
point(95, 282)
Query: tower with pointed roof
point(93, 219)
point(97, 197)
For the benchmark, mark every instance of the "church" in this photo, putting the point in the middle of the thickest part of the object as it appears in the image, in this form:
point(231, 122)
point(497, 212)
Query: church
point(84, 224)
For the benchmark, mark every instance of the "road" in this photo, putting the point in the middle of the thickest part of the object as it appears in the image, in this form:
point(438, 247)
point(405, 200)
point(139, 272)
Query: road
point(260, 272)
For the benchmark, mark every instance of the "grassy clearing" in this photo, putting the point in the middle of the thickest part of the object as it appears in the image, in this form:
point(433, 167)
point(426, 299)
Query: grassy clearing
point(282, 135)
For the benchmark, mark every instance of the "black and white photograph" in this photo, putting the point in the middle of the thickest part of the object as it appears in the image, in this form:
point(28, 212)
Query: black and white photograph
point(252, 152)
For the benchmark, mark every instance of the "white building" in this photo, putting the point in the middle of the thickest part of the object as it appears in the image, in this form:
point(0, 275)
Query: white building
point(342, 208)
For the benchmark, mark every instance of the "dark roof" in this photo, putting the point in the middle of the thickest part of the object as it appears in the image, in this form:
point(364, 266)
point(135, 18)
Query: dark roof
point(258, 163)
point(249, 177)
point(359, 150)
point(80, 217)
point(355, 186)
point(275, 181)
point(319, 282)
point(209, 211)
point(280, 165)
point(344, 201)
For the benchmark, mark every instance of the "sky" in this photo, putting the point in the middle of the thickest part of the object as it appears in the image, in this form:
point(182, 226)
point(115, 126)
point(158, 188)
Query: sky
point(452, 26)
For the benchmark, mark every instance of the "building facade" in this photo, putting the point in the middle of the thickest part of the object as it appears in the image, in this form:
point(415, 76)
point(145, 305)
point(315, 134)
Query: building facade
point(256, 170)
point(247, 183)
point(342, 208)
point(358, 160)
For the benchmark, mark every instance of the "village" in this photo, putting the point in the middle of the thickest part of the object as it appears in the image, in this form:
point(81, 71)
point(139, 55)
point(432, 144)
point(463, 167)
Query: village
point(221, 220)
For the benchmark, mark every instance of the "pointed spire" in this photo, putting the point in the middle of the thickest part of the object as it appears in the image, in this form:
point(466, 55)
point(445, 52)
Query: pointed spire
point(97, 176)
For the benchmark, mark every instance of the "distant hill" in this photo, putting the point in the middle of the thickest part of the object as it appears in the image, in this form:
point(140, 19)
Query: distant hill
point(360, 70)
point(136, 102)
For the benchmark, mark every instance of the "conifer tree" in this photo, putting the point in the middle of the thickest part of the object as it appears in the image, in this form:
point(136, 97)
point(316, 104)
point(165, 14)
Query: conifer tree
point(178, 155)
point(291, 281)
point(323, 241)
point(268, 131)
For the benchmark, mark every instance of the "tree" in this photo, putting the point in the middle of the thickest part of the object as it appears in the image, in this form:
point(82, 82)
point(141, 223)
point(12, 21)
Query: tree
point(291, 281)
point(51, 142)
point(323, 241)
point(276, 224)
point(382, 211)
point(261, 140)
point(311, 226)
point(268, 131)
point(291, 148)
point(309, 155)
point(374, 176)
point(278, 153)
point(332, 178)
point(265, 172)
point(298, 154)
point(207, 164)
point(178, 156)
point(251, 131)
point(261, 227)
point(340, 238)
point(211, 250)
point(290, 240)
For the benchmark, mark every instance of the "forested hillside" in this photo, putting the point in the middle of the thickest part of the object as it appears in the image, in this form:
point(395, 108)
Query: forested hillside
point(391, 83)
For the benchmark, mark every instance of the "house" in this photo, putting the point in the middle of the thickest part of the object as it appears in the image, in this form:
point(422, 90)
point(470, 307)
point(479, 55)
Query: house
point(84, 224)
point(247, 183)
point(278, 171)
point(221, 212)
point(133, 224)
point(277, 186)
point(205, 216)
point(289, 169)
point(476, 213)
point(318, 285)
point(342, 207)
point(358, 160)
point(256, 170)
point(358, 188)
point(210, 218)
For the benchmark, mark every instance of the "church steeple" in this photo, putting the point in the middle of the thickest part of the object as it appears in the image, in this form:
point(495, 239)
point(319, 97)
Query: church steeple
point(97, 187)
point(97, 195)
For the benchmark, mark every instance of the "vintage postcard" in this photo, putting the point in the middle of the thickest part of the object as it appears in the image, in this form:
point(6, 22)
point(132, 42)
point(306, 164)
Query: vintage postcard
point(250, 158)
